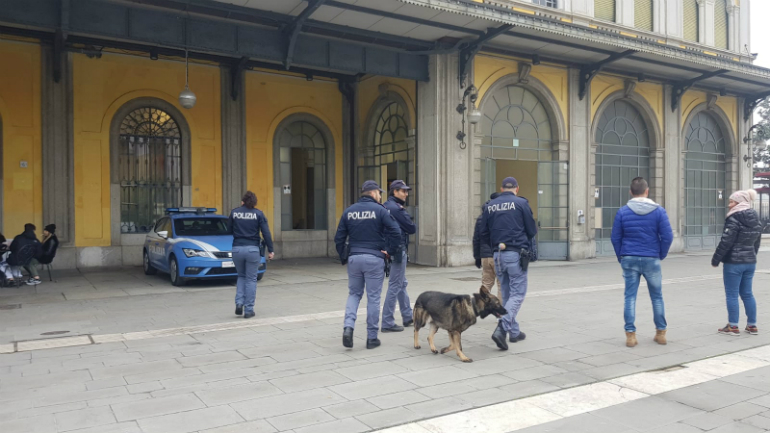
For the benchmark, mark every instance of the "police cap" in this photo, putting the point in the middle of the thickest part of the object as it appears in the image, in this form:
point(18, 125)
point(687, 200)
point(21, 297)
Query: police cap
point(370, 185)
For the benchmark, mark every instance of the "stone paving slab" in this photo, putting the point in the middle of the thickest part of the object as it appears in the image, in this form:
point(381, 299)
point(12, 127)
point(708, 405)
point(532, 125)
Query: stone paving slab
point(295, 375)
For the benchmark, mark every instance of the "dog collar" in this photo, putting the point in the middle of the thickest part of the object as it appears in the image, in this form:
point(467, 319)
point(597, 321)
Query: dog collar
point(473, 303)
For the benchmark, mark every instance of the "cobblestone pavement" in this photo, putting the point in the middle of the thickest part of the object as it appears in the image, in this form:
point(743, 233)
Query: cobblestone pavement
point(147, 357)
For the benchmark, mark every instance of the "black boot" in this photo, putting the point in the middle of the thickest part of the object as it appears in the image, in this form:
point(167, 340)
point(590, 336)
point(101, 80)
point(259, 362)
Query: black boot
point(238, 310)
point(372, 343)
point(499, 337)
point(347, 337)
point(520, 337)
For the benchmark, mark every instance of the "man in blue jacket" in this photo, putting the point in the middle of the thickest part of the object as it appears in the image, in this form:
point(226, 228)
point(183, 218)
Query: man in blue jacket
point(397, 282)
point(371, 234)
point(641, 236)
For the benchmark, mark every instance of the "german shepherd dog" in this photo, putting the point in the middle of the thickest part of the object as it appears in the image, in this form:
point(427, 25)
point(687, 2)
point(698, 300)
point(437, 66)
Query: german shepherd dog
point(455, 314)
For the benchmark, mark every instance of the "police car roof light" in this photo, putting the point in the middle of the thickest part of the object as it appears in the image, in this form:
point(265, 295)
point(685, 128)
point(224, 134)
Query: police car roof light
point(198, 210)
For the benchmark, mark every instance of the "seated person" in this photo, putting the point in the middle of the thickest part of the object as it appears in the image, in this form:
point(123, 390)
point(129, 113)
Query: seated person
point(24, 242)
point(50, 245)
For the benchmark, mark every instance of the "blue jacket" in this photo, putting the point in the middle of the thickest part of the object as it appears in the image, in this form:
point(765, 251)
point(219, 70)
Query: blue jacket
point(396, 208)
point(246, 224)
point(641, 229)
point(508, 219)
point(370, 228)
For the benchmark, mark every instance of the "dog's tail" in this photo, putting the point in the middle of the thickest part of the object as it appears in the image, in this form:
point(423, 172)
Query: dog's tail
point(419, 316)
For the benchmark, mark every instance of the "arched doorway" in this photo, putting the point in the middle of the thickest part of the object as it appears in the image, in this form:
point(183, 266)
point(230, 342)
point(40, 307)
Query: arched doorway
point(304, 211)
point(389, 152)
point(705, 182)
point(149, 146)
point(622, 153)
point(302, 150)
point(518, 139)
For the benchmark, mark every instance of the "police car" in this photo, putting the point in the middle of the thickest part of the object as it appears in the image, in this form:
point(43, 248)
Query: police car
point(192, 243)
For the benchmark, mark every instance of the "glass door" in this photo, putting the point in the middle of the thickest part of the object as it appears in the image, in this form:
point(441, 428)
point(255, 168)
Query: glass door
point(553, 210)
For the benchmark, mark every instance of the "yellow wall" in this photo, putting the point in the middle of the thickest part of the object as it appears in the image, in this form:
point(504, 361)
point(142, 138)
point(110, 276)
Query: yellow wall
point(21, 140)
point(604, 85)
point(270, 99)
point(488, 70)
point(101, 87)
point(728, 104)
point(368, 93)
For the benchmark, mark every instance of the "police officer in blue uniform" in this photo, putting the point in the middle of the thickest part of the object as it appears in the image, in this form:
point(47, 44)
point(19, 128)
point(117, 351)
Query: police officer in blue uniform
point(372, 235)
point(246, 223)
point(508, 226)
point(397, 282)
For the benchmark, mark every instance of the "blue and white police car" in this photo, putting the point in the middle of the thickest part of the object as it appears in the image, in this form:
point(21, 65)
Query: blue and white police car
point(192, 243)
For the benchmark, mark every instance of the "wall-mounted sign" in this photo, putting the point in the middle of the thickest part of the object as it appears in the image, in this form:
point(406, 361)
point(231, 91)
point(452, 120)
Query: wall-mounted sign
point(720, 195)
point(515, 142)
point(23, 164)
point(287, 189)
point(596, 193)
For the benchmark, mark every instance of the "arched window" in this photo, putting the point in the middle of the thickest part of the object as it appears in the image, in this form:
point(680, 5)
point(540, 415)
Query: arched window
point(149, 167)
point(604, 9)
point(303, 171)
point(704, 182)
point(622, 153)
point(643, 14)
point(691, 20)
point(720, 24)
point(389, 157)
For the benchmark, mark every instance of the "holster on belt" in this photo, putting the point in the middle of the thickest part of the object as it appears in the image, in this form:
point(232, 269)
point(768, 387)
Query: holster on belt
point(524, 259)
point(387, 266)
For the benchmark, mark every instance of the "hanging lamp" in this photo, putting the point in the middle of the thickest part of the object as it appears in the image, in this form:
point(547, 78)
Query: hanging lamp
point(187, 98)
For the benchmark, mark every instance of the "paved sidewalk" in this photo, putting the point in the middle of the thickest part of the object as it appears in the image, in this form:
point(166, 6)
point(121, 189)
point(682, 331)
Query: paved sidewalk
point(287, 371)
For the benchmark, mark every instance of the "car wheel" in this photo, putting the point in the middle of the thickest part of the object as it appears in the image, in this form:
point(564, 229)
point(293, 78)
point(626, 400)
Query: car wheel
point(259, 277)
point(148, 268)
point(173, 271)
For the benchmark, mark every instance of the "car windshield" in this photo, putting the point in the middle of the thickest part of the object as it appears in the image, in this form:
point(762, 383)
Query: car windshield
point(200, 227)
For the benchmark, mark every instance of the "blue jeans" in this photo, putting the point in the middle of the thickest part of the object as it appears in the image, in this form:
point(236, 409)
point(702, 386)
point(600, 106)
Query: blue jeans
point(365, 271)
point(513, 288)
point(634, 268)
point(396, 292)
point(738, 279)
point(246, 261)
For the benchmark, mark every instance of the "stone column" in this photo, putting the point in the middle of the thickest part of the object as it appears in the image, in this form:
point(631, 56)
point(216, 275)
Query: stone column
point(745, 173)
point(351, 136)
point(673, 175)
point(706, 22)
point(581, 180)
point(672, 16)
point(58, 153)
point(444, 175)
point(733, 28)
point(233, 139)
point(624, 12)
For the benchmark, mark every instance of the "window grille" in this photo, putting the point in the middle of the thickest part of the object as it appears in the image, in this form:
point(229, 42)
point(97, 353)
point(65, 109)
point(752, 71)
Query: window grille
point(643, 15)
point(720, 24)
point(604, 9)
point(149, 160)
point(691, 31)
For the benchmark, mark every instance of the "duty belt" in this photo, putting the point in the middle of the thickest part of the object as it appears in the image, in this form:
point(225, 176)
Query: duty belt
point(354, 251)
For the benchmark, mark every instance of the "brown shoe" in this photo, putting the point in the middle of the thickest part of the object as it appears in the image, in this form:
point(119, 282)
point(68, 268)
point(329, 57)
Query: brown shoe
point(660, 337)
point(631, 339)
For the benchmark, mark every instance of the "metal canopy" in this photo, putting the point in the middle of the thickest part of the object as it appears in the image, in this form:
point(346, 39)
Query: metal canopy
point(552, 40)
point(385, 37)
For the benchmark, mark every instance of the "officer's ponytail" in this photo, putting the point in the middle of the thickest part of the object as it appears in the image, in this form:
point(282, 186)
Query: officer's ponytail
point(249, 200)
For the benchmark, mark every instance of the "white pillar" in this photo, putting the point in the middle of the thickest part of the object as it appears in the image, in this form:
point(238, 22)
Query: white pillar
point(581, 181)
point(673, 171)
point(706, 19)
point(624, 12)
point(744, 27)
point(657, 17)
point(674, 19)
point(445, 174)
